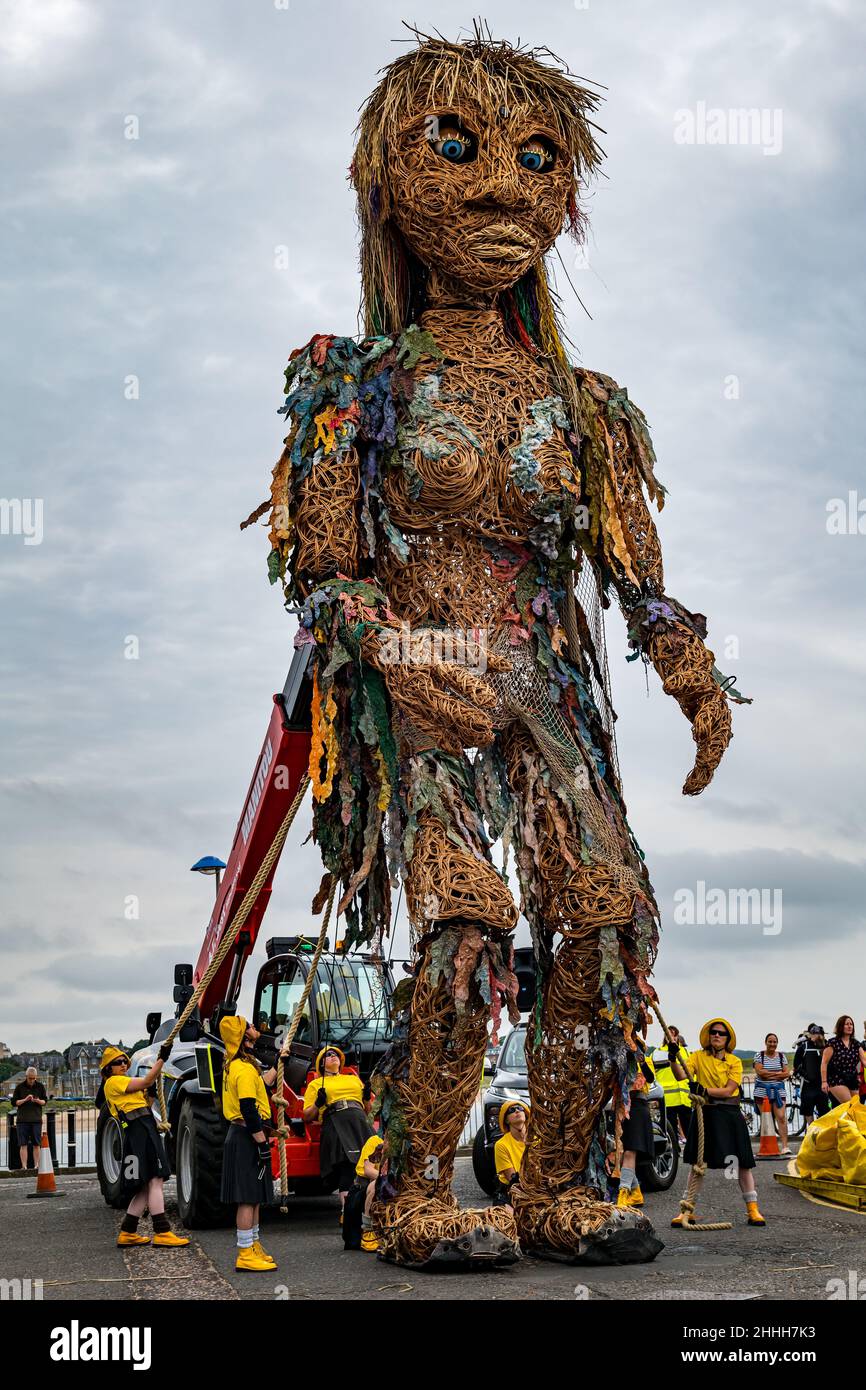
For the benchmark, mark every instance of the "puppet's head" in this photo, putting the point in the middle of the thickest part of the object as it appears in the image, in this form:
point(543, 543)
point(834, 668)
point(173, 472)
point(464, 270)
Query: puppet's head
point(469, 160)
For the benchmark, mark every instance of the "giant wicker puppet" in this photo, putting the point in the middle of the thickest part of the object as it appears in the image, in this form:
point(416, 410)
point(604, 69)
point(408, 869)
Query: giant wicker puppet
point(453, 498)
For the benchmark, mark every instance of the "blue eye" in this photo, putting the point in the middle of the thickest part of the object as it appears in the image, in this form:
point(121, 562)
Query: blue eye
point(450, 140)
point(537, 155)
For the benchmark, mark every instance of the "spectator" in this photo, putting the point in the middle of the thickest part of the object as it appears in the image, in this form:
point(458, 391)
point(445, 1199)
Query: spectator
point(772, 1071)
point(840, 1062)
point(29, 1097)
point(807, 1066)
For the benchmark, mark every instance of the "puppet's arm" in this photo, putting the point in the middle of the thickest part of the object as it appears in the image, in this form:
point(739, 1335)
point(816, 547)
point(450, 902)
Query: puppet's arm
point(618, 460)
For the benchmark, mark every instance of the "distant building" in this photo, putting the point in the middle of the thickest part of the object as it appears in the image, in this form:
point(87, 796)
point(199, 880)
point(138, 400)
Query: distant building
point(5, 1054)
point(80, 1075)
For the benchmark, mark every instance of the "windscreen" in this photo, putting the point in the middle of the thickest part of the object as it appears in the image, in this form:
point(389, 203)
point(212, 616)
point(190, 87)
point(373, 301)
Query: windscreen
point(351, 1004)
point(514, 1052)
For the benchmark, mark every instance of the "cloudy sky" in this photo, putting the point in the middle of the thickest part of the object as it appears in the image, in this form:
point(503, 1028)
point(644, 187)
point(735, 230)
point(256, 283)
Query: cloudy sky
point(725, 285)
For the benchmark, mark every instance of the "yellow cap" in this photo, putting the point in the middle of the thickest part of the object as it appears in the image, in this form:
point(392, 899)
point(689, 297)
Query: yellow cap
point(705, 1034)
point(112, 1054)
point(232, 1029)
point(509, 1105)
point(330, 1048)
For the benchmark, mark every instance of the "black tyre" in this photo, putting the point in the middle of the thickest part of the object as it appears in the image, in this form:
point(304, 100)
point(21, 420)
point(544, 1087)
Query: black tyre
point(661, 1173)
point(199, 1139)
point(109, 1151)
point(482, 1164)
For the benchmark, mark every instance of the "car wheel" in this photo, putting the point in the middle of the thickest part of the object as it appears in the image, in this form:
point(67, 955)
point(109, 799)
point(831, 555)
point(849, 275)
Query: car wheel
point(661, 1172)
point(109, 1156)
point(199, 1142)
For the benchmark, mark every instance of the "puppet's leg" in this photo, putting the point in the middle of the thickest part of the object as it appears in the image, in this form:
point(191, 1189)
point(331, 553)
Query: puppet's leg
point(462, 915)
point(577, 1038)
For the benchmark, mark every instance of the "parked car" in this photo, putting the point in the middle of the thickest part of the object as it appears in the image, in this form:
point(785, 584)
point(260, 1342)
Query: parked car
point(510, 1082)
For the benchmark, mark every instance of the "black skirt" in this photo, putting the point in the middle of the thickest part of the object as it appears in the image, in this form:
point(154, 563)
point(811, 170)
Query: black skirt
point(726, 1136)
point(241, 1167)
point(637, 1130)
point(144, 1155)
point(344, 1134)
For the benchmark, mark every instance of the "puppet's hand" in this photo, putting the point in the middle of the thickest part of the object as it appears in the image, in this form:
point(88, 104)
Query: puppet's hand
point(686, 668)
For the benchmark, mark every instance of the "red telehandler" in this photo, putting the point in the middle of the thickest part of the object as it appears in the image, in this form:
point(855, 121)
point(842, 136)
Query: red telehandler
point(349, 1003)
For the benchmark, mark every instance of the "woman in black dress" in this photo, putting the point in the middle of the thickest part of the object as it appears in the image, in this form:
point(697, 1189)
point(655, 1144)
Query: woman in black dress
point(637, 1139)
point(841, 1060)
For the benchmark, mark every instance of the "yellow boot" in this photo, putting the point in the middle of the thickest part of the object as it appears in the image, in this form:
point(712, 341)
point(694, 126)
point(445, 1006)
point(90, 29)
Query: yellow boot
point(635, 1197)
point(169, 1238)
point(369, 1241)
point(262, 1253)
point(623, 1197)
point(753, 1216)
point(132, 1238)
point(684, 1220)
point(251, 1262)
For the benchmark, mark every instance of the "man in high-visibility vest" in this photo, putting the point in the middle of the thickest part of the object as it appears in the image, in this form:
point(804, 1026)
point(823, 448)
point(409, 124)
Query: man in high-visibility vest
point(678, 1102)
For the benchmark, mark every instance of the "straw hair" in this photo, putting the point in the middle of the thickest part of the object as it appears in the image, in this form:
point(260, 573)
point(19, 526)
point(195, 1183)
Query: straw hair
point(440, 76)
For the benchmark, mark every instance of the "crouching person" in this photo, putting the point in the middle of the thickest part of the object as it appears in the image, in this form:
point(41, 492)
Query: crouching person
point(246, 1176)
point(508, 1151)
point(144, 1165)
point(358, 1233)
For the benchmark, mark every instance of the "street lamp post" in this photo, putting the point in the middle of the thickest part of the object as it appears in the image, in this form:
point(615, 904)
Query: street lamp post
point(209, 865)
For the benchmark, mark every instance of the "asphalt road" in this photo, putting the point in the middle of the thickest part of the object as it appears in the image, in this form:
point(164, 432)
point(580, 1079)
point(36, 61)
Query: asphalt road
point(68, 1243)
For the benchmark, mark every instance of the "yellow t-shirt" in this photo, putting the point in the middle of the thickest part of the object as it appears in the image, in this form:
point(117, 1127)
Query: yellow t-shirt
point(343, 1086)
point(366, 1154)
point(118, 1099)
point(241, 1081)
point(716, 1071)
point(508, 1153)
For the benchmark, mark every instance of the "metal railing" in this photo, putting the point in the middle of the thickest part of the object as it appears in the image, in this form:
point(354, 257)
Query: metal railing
point(71, 1138)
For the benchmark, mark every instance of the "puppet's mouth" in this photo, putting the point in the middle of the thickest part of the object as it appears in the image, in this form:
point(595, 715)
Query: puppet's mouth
point(500, 241)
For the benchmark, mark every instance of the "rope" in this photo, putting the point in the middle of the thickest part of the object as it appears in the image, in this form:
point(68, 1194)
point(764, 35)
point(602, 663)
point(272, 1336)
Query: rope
point(699, 1167)
point(280, 1101)
point(230, 935)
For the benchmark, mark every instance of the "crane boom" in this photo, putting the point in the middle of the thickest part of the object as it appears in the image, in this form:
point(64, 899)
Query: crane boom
point(278, 772)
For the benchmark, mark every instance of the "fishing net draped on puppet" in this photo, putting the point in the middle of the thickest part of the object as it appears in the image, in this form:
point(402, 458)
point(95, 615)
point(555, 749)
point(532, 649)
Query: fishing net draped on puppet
point(447, 482)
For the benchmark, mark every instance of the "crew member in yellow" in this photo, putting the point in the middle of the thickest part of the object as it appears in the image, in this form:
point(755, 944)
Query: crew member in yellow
point(509, 1149)
point(715, 1077)
point(677, 1099)
point(339, 1101)
point(246, 1175)
point(144, 1165)
point(636, 1137)
point(358, 1232)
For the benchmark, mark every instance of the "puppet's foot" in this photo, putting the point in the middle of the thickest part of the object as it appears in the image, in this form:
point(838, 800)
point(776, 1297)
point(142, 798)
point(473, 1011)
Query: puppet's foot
point(425, 1233)
point(574, 1226)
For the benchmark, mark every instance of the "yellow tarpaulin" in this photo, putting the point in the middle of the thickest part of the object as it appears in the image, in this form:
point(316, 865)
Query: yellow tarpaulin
point(834, 1146)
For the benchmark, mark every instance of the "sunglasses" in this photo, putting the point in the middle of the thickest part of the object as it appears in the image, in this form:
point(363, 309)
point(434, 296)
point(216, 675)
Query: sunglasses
point(718, 1033)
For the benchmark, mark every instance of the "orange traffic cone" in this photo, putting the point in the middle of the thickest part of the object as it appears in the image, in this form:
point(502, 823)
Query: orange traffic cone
point(769, 1145)
point(45, 1184)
